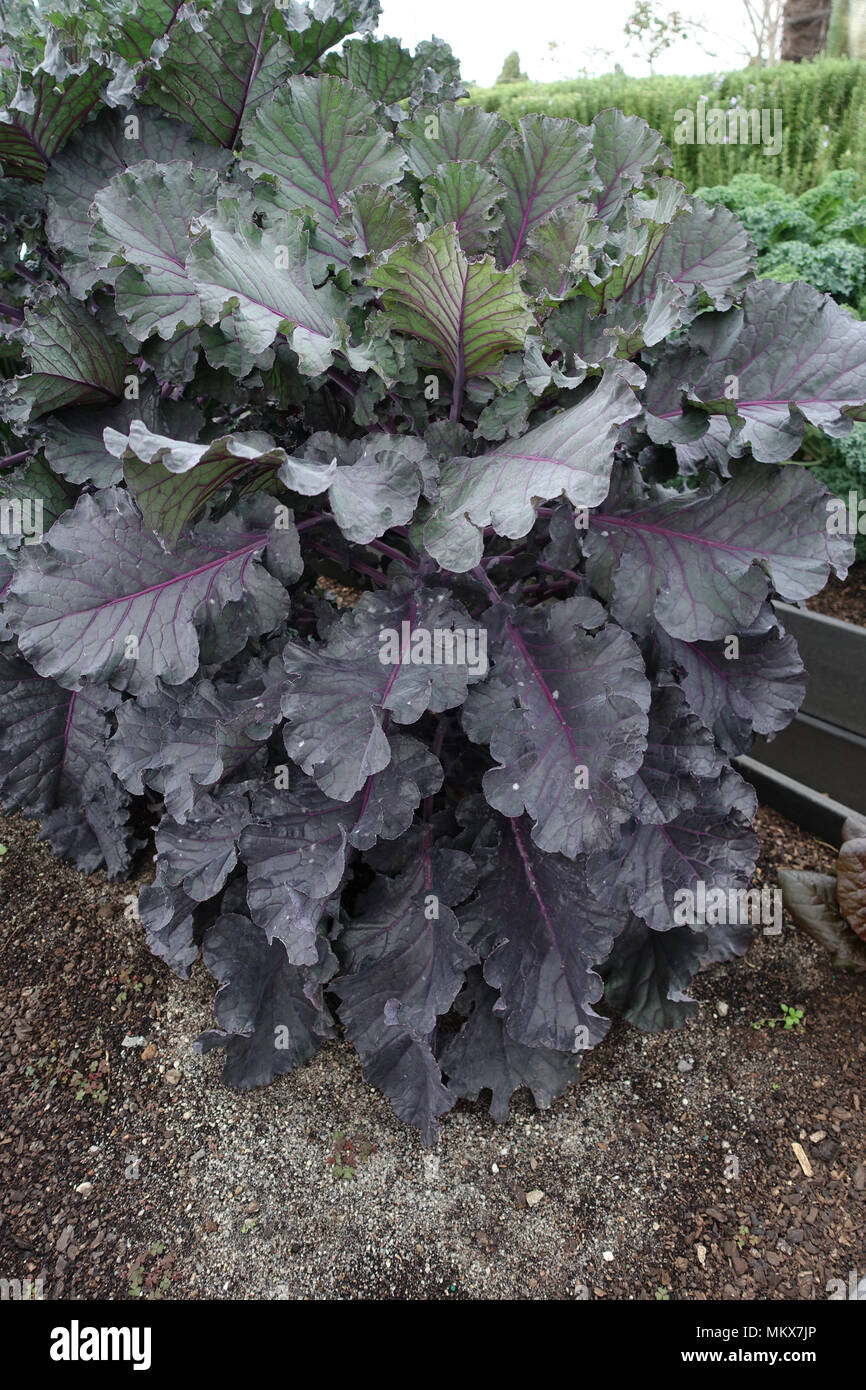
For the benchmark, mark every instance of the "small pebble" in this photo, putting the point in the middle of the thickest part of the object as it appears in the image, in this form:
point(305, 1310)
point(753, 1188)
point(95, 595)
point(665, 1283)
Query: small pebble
point(534, 1197)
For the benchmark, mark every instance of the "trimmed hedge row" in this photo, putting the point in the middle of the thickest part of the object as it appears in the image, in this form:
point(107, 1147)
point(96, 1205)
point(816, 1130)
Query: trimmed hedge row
point(823, 107)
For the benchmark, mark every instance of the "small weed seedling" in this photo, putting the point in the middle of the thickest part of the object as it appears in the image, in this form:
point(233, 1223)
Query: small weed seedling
point(130, 983)
point(150, 1274)
point(63, 1069)
point(790, 1018)
point(348, 1153)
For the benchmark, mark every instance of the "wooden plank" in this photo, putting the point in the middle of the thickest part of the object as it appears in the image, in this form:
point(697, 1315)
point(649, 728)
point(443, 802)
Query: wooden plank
point(820, 815)
point(830, 760)
point(834, 654)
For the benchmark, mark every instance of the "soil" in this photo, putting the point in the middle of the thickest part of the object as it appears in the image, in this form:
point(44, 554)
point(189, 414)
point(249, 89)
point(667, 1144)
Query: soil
point(845, 600)
point(127, 1169)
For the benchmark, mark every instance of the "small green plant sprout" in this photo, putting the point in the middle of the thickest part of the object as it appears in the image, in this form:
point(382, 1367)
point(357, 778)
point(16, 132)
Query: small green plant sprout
point(94, 1083)
point(130, 982)
point(2, 851)
point(744, 1238)
point(662, 1294)
point(150, 1274)
point(347, 1153)
point(61, 1067)
point(790, 1018)
point(248, 1227)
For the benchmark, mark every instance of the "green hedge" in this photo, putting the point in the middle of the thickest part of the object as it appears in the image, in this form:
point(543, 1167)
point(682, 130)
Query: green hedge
point(823, 107)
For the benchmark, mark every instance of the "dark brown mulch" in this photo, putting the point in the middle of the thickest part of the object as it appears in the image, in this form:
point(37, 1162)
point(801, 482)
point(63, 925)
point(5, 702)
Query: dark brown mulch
point(845, 600)
point(128, 1168)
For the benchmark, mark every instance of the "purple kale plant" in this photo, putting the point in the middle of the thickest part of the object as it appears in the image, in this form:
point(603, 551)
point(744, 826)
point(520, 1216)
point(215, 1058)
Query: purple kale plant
point(392, 506)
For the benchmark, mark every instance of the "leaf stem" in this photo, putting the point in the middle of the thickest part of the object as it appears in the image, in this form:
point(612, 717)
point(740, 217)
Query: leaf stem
point(459, 384)
point(27, 275)
point(392, 553)
point(435, 749)
point(312, 521)
point(488, 583)
point(358, 565)
point(566, 574)
point(342, 381)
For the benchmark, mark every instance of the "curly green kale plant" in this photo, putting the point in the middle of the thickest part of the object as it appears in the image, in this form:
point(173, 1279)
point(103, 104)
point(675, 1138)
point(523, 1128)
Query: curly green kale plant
point(818, 236)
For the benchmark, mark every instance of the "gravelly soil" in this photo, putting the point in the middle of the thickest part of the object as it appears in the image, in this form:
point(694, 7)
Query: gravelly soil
point(669, 1173)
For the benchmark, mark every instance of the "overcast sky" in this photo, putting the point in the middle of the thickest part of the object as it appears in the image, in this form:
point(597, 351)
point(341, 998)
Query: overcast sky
point(589, 32)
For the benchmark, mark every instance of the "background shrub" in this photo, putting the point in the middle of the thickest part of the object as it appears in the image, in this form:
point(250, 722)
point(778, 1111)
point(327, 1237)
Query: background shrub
point(823, 107)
